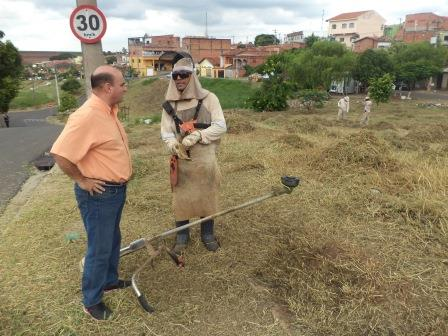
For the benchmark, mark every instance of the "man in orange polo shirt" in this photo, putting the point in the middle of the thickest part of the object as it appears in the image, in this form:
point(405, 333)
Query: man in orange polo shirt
point(93, 150)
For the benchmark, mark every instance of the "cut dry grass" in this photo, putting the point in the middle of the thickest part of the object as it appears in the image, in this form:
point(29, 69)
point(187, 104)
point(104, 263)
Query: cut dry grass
point(360, 248)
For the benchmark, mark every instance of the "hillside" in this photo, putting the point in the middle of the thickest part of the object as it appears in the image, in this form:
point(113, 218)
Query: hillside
point(145, 96)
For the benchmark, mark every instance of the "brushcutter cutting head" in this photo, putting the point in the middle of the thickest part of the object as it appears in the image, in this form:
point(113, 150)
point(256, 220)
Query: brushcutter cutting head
point(290, 182)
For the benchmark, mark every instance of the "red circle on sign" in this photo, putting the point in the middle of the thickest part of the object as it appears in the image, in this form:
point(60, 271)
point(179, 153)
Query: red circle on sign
point(76, 33)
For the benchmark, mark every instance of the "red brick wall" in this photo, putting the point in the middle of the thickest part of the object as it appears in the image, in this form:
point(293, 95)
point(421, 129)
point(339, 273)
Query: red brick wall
point(200, 48)
point(165, 41)
point(409, 37)
point(365, 44)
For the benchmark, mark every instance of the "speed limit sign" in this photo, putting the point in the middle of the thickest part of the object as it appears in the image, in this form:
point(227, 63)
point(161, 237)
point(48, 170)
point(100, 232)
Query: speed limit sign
point(88, 23)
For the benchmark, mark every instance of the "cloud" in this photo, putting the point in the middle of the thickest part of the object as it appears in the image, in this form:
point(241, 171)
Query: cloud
point(43, 24)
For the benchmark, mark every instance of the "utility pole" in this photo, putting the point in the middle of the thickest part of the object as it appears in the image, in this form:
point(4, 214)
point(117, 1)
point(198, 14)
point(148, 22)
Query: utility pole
point(57, 86)
point(206, 25)
point(322, 22)
point(92, 54)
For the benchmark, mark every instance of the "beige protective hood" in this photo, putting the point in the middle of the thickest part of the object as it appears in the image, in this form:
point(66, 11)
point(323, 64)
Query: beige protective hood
point(193, 89)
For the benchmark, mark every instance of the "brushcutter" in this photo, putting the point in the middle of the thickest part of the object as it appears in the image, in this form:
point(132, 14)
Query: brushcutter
point(154, 249)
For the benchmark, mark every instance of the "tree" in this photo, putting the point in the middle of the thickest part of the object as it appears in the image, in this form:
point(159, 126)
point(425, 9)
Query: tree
point(71, 85)
point(380, 88)
point(310, 40)
point(312, 98)
point(372, 64)
point(10, 72)
point(318, 66)
point(111, 59)
point(418, 61)
point(68, 102)
point(266, 39)
point(274, 92)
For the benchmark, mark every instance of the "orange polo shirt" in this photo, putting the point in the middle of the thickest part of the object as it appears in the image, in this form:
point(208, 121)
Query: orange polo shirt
point(95, 141)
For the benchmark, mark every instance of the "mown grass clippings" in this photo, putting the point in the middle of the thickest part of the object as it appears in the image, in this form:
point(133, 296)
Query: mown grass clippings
point(359, 248)
point(362, 150)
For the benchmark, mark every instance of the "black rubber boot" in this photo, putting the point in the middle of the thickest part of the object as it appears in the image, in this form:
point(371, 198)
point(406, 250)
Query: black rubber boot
point(182, 237)
point(208, 237)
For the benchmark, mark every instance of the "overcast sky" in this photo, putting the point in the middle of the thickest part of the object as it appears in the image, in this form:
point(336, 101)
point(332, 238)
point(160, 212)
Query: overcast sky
point(44, 24)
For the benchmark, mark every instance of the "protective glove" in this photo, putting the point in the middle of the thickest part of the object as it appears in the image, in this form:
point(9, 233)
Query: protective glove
point(178, 149)
point(191, 139)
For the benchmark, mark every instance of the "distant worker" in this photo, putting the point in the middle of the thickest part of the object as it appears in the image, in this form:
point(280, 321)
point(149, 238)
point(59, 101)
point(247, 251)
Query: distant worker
point(5, 119)
point(195, 175)
point(367, 106)
point(343, 107)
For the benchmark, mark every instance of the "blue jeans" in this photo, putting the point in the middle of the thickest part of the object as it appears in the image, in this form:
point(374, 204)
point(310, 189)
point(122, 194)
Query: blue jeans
point(101, 214)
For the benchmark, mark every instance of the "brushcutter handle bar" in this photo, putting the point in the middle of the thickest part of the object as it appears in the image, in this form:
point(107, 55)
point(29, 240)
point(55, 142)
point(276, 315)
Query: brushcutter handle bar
point(145, 305)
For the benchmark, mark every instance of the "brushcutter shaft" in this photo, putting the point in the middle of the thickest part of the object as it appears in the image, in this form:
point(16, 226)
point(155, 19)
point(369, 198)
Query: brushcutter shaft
point(288, 184)
point(202, 220)
point(132, 247)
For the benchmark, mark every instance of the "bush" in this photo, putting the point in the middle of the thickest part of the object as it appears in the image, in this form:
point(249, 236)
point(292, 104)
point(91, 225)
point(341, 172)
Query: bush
point(312, 98)
point(68, 102)
point(71, 85)
point(380, 89)
point(272, 96)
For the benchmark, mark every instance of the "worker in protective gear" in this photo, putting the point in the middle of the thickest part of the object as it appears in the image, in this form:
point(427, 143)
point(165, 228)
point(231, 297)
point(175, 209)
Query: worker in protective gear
point(343, 107)
point(191, 127)
point(367, 106)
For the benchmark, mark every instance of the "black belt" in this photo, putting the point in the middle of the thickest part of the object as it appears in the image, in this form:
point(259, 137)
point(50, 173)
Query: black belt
point(115, 184)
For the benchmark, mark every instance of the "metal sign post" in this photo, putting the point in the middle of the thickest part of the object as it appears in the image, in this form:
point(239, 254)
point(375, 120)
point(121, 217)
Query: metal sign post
point(89, 25)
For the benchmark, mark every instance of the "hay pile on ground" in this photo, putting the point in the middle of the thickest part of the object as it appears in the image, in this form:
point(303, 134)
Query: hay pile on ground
point(237, 122)
point(362, 150)
point(431, 133)
point(360, 248)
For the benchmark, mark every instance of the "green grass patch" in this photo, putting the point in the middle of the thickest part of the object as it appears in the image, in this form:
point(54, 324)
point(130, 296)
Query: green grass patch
point(148, 81)
point(231, 93)
point(37, 93)
point(29, 99)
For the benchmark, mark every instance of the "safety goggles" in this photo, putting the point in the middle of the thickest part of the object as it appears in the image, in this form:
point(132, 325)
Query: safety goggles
point(181, 74)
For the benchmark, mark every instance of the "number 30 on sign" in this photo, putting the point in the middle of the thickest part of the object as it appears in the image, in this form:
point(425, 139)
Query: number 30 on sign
point(88, 23)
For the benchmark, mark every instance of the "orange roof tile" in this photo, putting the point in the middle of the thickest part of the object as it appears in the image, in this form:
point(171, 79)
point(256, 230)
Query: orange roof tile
point(213, 60)
point(347, 16)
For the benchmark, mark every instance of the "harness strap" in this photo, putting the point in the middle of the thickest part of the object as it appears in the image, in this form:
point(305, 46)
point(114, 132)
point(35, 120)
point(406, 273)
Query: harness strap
point(177, 121)
point(198, 107)
point(170, 110)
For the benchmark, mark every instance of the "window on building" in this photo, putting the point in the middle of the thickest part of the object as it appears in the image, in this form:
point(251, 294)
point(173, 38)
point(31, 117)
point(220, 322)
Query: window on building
point(351, 25)
point(333, 26)
point(344, 25)
point(445, 38)
point(341, 39)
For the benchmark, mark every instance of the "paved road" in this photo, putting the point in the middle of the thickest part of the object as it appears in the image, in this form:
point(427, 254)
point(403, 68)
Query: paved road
point(428, 95)
point(28, 137)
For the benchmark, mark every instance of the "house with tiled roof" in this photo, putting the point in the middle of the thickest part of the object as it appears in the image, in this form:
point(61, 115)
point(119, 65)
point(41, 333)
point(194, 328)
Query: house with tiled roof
point(295, 37)
point(369, 42)
point(210, 67)
point(349, 27)
point(424, 27)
